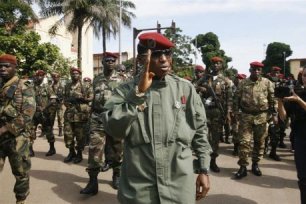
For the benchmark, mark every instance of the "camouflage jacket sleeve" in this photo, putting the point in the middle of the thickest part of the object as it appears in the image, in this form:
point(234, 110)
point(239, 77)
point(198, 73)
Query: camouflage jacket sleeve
point(271, 98)
point(26, 112)
point(237, 97)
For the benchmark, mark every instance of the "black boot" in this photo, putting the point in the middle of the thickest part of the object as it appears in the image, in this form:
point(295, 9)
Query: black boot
point(273, 154)
point(78, 158)
point(255, 169)
point(213, 166)
point(242, 172)
point(52, 150)
point(235, 151)
point(302, 188)
point(115, 182)
point(60, 132)
point(70, 156)
point(92, 186)
point(106, 166)
point(31, 151)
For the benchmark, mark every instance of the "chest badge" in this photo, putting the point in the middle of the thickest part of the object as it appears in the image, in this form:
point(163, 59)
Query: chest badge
point(177, 104)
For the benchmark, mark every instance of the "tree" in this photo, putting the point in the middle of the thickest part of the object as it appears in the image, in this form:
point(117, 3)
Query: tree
point(33, 56)
point(110, 24)
point(15, 16)
point(75, 14)
point(276, 55)
point(210, 47)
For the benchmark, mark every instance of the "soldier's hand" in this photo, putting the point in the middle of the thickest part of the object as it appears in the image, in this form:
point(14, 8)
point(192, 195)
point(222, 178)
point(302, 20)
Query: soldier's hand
point(147, 76)
point(3, 130)
point(202, 186)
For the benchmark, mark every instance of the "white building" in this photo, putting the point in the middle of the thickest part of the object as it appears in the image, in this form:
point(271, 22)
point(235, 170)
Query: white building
point(67, 42)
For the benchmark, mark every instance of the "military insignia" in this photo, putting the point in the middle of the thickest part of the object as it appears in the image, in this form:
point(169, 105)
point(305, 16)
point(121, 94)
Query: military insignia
point(177, 104)
point(183, 99)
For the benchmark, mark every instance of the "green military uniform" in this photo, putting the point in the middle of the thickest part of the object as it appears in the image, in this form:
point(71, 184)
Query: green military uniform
point(160, 133)
point(255, 101)
point(17, 99)
point(76, 114)
point(42, 96)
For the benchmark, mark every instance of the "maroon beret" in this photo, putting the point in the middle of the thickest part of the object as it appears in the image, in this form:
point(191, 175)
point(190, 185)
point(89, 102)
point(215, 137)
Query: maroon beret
point(155, 41)
point(241, 76)
point(216, 59)
point(256, 64)
point(281, 76)
point(40, 73)
point(8, 59)
point(74, 69)
point(275, 68)
point(199, 68)
point(110, 54)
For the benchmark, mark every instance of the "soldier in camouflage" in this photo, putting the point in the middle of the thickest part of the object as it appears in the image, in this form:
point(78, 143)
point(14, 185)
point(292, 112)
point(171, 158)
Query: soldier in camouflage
point(42, 96)
point(216, 92)
point(255, 100)
point(77, 97)
point(17, 99)
point(103, 86)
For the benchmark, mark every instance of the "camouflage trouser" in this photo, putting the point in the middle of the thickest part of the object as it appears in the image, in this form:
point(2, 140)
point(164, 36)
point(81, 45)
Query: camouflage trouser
point(74, 131)
point(215, 129)
point(96, 143)
point(17, 151)
point(235, 126)
point(52, 112)
point(114, 147)
point(44, 120)
point(250, 127)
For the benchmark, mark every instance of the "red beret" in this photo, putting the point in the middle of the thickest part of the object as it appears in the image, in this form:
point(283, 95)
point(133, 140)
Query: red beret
point(275, 68)
point(216, 59)
point(199, 68)
point(40, 73)
point(74, 69)
point(110, 54)
point(8, 58)
point(155, 41)
point(241, 76)
point(86, 79)
point(256, 64)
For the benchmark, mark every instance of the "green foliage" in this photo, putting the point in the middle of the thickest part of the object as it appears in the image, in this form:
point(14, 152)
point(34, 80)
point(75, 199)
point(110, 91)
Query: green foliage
point(183, 49)
point(209, 46)
point(128, 64)
point(231, 73)
point(275, 57)
point(31, 55)
point(184, 72)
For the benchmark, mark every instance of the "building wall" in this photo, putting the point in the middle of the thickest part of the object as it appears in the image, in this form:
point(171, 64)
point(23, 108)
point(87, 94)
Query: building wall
point(296, 66)
point(67, 43)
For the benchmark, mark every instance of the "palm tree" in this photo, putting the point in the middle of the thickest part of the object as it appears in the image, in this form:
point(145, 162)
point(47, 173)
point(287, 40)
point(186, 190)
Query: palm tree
point(110, 24)
point(76, 13)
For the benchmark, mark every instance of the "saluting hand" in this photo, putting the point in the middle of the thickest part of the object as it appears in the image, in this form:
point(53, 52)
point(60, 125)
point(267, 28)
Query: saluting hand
point(147, 76)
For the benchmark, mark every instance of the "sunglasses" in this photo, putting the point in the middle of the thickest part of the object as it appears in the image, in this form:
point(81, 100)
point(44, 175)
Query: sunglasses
point(109, 60)
point(158, 53)
point(5, 65)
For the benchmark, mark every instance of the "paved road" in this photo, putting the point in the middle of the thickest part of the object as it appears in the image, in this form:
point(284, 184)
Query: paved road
point(54, 182)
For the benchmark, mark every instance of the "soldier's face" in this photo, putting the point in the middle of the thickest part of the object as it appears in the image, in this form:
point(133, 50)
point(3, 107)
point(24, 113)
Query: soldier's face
point(109, 63)
point(255, 73)
point(7, 70)
point(161, 62)
point(75, 76)
point(304, 76)
point(217, 66)
point(56, 78)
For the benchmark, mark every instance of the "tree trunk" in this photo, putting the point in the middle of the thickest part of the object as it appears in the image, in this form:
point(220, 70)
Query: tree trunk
point(103, 40)
point(79, 62)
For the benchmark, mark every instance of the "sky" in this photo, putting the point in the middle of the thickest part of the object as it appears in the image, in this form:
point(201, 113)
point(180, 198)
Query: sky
point(244, 27)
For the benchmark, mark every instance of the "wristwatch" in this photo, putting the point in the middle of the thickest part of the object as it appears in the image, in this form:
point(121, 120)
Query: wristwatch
point(139, 94)
point(201, 171)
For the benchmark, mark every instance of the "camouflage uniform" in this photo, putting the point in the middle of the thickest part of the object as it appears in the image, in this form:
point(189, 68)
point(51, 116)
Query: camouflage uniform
point(42, 96)
point(222, 87)
point(16, 111)
point(255, 101)
point(76, 115)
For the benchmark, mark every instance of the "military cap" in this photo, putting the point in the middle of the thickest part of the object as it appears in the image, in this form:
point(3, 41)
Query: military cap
point(256, 64)
point(8, 59)
point(281, 76)
point(216, 59)
point(275, 68)
point(241, 76)
point(199, 68)
point(74, 69)
point(40, 73)
point(155, 41)
point(110, 55)
point(87, 79)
